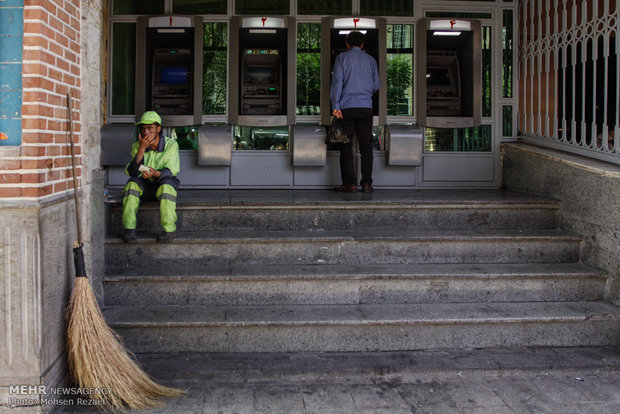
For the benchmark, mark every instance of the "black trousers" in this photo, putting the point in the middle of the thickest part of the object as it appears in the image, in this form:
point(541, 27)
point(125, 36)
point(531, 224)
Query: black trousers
point(357, 121)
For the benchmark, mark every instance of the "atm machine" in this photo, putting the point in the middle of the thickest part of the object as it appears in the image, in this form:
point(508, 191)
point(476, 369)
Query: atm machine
point(262, 61)
point(401, 148)
point(448, 80)
point(261, 95)
point(169, 68)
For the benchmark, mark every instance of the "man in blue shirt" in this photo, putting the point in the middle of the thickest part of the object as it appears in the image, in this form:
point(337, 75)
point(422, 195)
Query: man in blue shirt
point(355, 79)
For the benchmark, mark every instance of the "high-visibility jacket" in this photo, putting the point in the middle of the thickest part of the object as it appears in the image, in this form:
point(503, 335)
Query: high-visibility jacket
point(165, 159)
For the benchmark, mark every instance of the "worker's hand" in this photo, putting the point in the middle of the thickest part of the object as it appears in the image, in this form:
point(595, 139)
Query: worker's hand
point(147, 172)
point(151, 173)
point(337, 113)
point(146, 140)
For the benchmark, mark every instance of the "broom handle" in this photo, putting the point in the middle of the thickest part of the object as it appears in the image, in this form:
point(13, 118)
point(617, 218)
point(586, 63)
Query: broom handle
point(75, 182)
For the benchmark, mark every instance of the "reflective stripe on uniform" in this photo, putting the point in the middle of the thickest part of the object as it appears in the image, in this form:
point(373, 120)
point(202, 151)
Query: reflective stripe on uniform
point(166, 196)
point(132, 192)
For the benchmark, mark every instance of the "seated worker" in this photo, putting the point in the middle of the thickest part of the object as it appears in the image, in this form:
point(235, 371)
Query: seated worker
point(153, 168)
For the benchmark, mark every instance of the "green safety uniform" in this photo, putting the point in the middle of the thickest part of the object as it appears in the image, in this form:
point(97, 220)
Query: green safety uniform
point(166, 160)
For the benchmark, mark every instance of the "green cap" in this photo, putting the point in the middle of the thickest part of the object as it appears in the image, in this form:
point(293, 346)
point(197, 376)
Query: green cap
point(148, 118)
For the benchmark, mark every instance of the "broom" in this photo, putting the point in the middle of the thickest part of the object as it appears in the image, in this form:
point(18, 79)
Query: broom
point(97, 358)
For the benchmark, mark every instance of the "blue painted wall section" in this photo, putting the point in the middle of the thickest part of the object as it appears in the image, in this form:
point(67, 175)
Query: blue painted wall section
point(11, 46)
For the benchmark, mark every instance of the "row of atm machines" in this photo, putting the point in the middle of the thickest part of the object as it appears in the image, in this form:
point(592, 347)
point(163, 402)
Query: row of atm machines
point(262, 80)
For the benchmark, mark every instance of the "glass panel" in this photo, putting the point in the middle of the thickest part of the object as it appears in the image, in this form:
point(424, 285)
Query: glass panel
point(335, 7)
point(400, 69)
point(487, 68)
point(123, 68)
point(459, 15)
point(308, 69)
point(186, 136)
point(386, 8)
point(138, 7)
point(260, 138)
point(199, 6)
point(507, 44)
point(507, 120)
point(274, 7)
point(458, 139)
point(214, 68)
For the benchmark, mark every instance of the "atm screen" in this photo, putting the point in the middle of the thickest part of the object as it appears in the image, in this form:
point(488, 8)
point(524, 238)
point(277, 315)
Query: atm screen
point(261, 75)
point(173, 75)
point(438, 77)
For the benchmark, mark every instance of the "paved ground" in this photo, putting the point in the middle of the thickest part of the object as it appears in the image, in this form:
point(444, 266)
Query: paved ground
point(524, 380)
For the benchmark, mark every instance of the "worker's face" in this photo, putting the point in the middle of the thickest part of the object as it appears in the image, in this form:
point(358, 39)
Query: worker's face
point(150, 130)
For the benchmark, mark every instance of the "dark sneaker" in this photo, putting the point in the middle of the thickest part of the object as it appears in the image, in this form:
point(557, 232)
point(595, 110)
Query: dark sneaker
point(129, 236)
point(166, 236)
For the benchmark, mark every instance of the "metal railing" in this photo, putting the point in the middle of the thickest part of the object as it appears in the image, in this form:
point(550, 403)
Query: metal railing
point(569, 75)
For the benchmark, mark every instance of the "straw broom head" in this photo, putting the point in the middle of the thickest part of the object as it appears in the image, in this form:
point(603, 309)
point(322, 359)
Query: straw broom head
point(97, 358)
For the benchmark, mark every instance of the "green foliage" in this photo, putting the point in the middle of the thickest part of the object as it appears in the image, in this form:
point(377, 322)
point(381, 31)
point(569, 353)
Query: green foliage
point(214, 69)
point(308, 68)
point(399, 80)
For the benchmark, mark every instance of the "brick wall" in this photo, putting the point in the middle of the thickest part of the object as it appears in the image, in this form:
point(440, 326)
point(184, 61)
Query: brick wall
point(41, 166)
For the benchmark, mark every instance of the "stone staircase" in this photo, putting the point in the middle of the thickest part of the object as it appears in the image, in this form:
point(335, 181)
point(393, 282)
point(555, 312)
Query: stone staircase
point(316, 271)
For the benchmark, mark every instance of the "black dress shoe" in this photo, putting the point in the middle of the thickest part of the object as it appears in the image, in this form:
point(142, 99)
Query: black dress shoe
point(346, 188)
point(367, 188)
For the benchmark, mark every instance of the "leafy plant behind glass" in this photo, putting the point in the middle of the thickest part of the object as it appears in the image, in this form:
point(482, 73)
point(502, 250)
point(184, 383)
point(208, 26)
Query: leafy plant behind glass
point(308, 68)
point(399, 77)
point(214, 69)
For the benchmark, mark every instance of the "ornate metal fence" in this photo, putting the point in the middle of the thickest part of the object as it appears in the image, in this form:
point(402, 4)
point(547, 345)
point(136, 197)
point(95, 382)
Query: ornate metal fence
point(569, 75)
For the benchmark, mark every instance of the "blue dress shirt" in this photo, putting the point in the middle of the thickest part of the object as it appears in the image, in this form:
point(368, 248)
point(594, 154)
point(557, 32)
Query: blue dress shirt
point(355, 79)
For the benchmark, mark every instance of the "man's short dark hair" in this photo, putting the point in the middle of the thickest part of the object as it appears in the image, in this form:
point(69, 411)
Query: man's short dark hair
point(355, 38)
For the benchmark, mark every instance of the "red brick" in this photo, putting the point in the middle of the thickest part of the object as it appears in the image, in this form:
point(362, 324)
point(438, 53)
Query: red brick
point(37, 138)
point(33, 151)
point(10, 192)
point(56, 24)
point(71, 33)
point(70, 56)
point(53, 150)
point(54, 74)
point(33, 123)
point(35, 14)
point(8, 164)
point(33, 178)
point(55, 100)
point(56, 49)
point(33, 69)
point(54, 125)
point(52, 176)
point(40, 110)
point(62, 64)
point(62, 40)
point(37, 164)
point(34, 97)
point(59, 187)
point(7, 178)
point(35, 41)
point(63, 16)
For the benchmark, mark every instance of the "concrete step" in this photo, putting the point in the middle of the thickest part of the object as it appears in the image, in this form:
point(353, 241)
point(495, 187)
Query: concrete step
point(348, 328)
point(504, 380)
point(307, 210)
point(351, 284)
point(380, 367)
point(349, 247)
